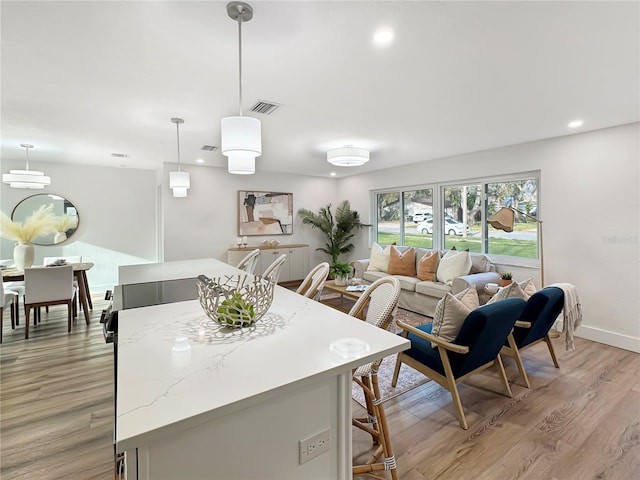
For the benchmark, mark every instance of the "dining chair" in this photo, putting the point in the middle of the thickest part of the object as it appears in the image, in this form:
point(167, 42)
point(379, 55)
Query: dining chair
point(476, 347)
point(68, 259)
point(48, 286)
point(313, 284)
point(533, 326)
point(250, 261)
point(272, 272)
point(376, 306)
point(8, 298)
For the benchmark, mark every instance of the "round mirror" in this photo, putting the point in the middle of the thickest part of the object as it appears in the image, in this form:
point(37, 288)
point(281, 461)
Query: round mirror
point(66, 215)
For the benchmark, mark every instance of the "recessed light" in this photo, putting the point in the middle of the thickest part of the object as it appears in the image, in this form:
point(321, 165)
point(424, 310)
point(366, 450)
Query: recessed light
point(199, 160)
point(575, 124)
point(383, 37)
point(333, 174)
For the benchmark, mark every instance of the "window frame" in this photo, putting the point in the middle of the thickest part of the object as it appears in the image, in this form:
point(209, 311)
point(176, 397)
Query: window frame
point(438, 189)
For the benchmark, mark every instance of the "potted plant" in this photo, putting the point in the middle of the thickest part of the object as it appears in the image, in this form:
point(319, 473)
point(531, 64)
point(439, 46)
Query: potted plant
point(337, 229)
point(340, 272)
point(506, 279)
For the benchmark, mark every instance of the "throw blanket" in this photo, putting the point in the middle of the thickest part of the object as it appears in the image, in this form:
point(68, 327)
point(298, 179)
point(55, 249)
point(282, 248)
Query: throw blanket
point(571, 312)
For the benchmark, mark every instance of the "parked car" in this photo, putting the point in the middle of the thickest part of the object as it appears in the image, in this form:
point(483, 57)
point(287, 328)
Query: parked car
point(421, 217)
point(451, 227)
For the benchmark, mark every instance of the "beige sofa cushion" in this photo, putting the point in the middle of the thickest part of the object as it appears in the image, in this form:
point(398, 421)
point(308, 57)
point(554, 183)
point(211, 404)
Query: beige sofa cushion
point(428, 265)
point(480, 263)
point(453, 264)
point(372, 275)
point(379, 260)
point(407, 283)
point(433, 289)
point(402, 263)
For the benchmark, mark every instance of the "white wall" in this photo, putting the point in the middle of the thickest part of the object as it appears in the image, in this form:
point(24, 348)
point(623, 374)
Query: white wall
point(589, 203)
point(205, 223)
point(117, 209)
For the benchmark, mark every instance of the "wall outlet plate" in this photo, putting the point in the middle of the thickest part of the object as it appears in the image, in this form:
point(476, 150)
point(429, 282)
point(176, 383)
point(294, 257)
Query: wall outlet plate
point(313, 446)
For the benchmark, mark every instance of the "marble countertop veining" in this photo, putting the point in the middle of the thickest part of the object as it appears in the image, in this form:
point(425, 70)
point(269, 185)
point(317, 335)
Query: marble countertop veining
point(224, 370)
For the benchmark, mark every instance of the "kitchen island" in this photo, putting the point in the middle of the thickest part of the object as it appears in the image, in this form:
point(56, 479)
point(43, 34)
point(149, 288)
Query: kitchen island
point(236, 403)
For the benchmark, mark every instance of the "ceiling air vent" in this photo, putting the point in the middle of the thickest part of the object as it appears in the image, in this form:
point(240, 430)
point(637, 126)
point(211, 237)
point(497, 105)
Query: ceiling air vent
point(209, 148)
point(264, 107)
point(120, 155)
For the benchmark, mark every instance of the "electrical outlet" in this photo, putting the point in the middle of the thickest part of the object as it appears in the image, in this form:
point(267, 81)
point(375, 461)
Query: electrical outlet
point(314, 446)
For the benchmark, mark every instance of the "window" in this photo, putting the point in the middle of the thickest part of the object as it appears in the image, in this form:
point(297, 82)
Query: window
point(523, 196)
point(457, 216)
point(462, 217)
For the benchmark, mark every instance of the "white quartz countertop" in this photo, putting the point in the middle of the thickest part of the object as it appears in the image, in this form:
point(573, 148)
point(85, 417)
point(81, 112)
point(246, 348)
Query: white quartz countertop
point(159, 387)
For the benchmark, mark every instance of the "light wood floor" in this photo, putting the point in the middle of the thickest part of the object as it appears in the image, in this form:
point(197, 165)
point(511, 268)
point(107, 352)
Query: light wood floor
point(579, 422)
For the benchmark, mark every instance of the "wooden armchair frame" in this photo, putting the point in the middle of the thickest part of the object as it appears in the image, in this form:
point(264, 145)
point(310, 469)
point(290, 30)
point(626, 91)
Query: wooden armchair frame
point(449, 380)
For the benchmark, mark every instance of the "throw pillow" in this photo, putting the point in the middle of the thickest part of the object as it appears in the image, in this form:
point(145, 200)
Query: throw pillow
point(480, 263)
point(427, 266)
point(379, 259)
point(518, 290)
point(453, 265)
point(528, 287)
point(402, 263)
point(451, 311)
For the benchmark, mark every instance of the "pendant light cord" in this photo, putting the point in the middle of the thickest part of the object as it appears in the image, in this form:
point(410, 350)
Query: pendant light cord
point(178, 136)
point(240, 64)
point(27, 165)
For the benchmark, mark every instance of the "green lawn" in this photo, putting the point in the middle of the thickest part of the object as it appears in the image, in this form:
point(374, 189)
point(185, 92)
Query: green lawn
point(497, 246)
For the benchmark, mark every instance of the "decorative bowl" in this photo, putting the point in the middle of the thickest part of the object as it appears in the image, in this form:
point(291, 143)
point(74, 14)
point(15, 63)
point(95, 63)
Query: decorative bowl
point(235, 301)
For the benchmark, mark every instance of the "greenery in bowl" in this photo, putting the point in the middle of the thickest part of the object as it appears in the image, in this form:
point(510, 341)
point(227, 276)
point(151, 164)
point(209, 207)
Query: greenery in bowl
point(506, 276)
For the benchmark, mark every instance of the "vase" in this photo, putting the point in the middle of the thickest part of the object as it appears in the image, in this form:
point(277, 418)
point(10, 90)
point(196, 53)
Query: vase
point(23, 255)
point(340, 281)
point(59, 237)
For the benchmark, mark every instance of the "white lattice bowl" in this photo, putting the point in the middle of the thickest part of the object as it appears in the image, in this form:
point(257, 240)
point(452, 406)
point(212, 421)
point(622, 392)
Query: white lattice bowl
point(235, 301)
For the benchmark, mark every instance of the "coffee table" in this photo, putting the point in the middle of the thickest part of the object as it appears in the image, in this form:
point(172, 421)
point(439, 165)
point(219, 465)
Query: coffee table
point(346, 299)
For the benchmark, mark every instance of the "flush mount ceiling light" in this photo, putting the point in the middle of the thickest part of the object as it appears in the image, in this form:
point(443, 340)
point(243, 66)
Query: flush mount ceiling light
point(348, 156)
point(26, 178)
point(575, 124)
point(241, 136)
point(383, 37)
point(179, 181)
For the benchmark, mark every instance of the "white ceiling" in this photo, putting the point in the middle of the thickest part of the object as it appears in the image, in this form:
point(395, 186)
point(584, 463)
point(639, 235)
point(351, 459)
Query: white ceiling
point(83, 80)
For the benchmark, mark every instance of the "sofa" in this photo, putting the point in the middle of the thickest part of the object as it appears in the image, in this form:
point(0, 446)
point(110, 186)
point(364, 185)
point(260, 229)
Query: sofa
point(422, 296)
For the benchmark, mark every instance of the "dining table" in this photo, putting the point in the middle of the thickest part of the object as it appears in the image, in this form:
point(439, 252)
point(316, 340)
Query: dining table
point(12, 274)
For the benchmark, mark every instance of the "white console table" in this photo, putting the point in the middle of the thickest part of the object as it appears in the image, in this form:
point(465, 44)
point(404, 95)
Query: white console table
point(236, 404)
point(294, 269)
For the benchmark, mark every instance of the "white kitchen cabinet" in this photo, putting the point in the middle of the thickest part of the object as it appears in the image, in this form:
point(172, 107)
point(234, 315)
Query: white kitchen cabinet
point(294, 269)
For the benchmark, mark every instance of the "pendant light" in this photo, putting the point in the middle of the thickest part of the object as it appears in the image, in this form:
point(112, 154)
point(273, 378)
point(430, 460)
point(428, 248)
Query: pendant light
point(179, 181)
point(26, 178)
point(241, 136)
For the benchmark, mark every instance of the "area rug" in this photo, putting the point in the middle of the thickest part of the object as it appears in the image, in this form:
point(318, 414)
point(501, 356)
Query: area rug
point(408, 379)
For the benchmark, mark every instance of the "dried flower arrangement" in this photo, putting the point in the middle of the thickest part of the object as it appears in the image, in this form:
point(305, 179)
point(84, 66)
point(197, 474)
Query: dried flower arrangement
point(40, 222)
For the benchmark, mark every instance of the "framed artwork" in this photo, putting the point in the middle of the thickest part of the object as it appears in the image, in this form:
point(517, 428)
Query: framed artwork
point(265, 213)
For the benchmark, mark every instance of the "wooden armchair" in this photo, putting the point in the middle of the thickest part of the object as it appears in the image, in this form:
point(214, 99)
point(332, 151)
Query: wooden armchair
point(537, 318)
point(476, 347)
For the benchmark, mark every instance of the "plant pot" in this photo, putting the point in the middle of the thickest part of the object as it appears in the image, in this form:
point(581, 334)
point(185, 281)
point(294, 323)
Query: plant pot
point(23, 255)
point(504, 283)
point(340, 281)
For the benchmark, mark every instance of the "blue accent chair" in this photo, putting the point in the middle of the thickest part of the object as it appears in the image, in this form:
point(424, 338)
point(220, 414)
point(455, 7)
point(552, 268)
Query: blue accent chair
point(537, 318)
point(475, 348)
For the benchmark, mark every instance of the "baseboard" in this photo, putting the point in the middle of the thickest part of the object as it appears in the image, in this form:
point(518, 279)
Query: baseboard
point(614, 339)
